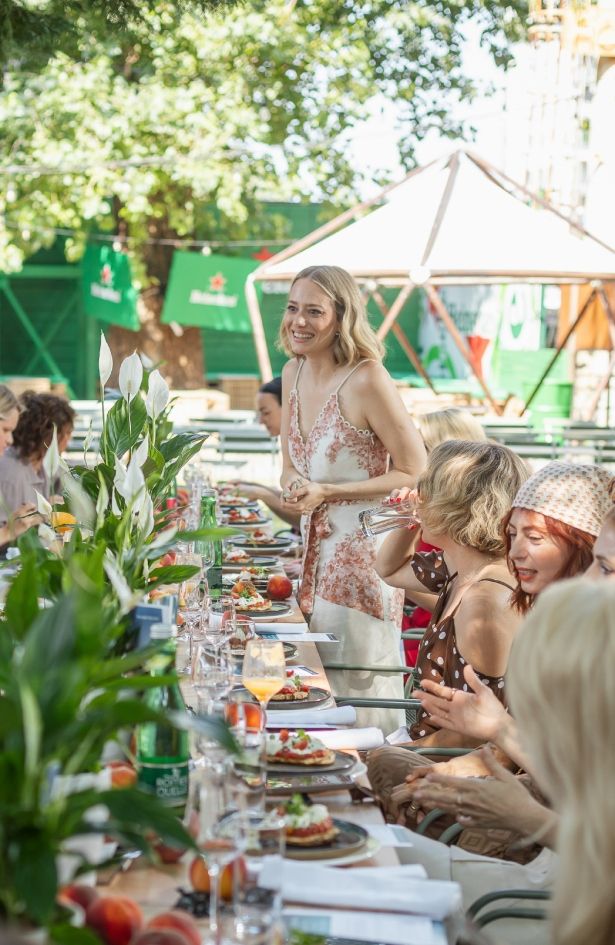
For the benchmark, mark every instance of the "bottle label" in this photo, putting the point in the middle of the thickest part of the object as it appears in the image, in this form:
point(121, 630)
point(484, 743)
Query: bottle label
point(169, 782)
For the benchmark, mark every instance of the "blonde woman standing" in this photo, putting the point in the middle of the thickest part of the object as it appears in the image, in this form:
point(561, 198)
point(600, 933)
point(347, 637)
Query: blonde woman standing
point(343, 425)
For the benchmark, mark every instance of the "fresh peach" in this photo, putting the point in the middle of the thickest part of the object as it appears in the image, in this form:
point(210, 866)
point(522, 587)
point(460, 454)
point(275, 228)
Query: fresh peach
point(160, 937)
point(116, 919)
point(279, 587)
point(123, 775)
point(199, 877)
point(178, 922)
point(79, 893)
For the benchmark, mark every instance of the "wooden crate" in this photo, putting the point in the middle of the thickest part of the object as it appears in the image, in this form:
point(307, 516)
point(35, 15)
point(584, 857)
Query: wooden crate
point(241, 389)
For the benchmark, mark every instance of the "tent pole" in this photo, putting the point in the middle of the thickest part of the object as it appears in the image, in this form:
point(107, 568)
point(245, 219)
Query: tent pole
point(258, 332)
point(404, 343)
point(560, 348)
point(460, 343)
point(604, 381)
point(394, 310)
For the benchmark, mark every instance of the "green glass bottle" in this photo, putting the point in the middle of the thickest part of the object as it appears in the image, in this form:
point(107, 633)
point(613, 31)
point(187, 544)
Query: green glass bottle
point(209, 519)
point(163, 752)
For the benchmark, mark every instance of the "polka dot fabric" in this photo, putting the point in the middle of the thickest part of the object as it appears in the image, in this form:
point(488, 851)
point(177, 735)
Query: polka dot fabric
point(438, 658)
point(570, 493)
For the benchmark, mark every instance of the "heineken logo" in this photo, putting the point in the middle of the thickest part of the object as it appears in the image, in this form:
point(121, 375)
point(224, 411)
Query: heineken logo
point(217, 282)
point(103, 289)
point(215, 294)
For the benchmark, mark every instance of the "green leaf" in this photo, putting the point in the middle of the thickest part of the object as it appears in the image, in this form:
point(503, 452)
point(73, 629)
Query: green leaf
point(124, 425)
point(33, 875)
point(66, 934)
point(172, 574)
point(211, 726)
point(133, 806)
point(21, 606)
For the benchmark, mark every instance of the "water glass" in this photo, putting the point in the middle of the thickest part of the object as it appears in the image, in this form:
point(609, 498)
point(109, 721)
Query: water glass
point(257, 911)
point(246, 780)
point(385, 518)
point(212, 673)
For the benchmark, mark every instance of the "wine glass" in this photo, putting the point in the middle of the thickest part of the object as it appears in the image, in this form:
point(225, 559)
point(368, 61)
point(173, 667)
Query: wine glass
point(212, 673)
point(222, 839)
point(264, 670)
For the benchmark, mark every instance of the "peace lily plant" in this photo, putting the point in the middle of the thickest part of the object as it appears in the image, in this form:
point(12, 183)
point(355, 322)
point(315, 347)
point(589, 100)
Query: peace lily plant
point(70, 679)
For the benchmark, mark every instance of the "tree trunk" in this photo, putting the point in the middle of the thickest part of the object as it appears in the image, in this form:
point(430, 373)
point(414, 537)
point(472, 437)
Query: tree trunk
point(183, 365)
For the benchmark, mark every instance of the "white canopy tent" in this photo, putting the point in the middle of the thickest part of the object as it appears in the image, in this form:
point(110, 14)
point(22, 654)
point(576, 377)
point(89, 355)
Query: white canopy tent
point(456, 221)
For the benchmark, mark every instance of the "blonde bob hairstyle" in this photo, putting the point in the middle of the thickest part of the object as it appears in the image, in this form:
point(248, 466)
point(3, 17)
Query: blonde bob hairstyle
point(560, 686)
point(356, 339)
point(466, 491)
point(8, 401)
point(452, 423)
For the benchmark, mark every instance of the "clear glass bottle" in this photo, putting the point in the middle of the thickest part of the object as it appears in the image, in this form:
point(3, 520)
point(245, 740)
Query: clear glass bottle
point(385, 518)
point(163, 752)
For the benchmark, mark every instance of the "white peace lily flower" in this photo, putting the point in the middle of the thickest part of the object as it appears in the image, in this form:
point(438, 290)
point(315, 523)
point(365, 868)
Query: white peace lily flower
point(105, 362)
point(51, 459)
point(131, 375)
point(81, 504)
point(47, 537)
point(114, 505)
point(157, 395)
point(43, 506)
point(146, 362)
point(133, 482)
point(141, 454)
point(145, 514)
point(88, 438)
point(102, 503)
point(127, 597)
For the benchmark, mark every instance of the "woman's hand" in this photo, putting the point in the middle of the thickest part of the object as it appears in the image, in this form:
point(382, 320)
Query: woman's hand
point(404, 494)
point(499, 802)
point(306, 497)
point(478, 714)
point(251, 490)
point(23, 518)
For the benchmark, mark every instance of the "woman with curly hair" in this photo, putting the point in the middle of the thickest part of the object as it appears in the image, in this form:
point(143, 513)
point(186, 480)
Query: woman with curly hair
point(16, 521)
point(22, 474)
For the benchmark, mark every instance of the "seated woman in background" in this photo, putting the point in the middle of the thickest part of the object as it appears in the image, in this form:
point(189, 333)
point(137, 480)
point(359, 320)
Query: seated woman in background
point(21, 466)
point(17, 519)
point(438, 426)
point(269, 410)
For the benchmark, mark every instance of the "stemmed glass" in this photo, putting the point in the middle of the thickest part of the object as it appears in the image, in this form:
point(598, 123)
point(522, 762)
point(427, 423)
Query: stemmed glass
point(264, 670)
point(222, 838)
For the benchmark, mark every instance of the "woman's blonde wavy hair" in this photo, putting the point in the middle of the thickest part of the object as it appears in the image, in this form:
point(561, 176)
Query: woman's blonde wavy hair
point(8, 401)
point(466, 491)
point(561, 686)
point(356, 338)
point(452, 423)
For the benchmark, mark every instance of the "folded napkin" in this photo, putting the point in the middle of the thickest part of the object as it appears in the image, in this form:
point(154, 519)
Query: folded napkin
point(280, 627)
point(300, 718)
point(360, 738)
point(384, 889)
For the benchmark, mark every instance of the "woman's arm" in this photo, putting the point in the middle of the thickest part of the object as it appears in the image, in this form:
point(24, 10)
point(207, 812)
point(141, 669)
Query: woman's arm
point(273, 500)
point(394, 567)
point(289, 473)
point(389, 420)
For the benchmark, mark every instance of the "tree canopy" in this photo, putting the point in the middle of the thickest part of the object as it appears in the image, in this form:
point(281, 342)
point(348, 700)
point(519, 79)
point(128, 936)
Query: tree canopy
point(161, 119)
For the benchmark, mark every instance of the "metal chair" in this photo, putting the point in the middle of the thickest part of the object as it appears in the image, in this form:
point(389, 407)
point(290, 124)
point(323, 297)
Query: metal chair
point(508, 912)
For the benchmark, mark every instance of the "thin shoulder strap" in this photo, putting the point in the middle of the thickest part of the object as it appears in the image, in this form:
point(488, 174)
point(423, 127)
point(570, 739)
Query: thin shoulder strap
point(495, 581)
point(480, 581)
point(350, 373)
point(301, 363)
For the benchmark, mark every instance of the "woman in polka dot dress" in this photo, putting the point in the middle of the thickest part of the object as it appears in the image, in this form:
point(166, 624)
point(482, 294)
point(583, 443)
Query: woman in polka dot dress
point(464, 494)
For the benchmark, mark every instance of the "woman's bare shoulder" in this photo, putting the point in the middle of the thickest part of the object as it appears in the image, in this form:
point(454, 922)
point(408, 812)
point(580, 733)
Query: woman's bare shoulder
point(290, 370)
point(370, 375)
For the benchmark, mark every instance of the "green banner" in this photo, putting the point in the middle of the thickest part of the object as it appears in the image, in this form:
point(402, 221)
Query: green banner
point(208, 291)
point(109, 294)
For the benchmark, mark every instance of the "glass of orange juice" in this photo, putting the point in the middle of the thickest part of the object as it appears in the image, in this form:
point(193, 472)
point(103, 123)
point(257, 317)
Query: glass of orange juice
point(264, 669)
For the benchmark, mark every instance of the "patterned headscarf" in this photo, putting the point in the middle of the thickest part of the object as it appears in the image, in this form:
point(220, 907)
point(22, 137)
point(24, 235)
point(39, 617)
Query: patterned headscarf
point(570, 493)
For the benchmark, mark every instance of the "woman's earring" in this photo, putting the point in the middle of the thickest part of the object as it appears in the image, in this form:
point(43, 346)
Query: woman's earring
point(337, 334)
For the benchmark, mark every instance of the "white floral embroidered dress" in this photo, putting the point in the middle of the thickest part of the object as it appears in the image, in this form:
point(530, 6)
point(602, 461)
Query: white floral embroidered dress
point(340, 588)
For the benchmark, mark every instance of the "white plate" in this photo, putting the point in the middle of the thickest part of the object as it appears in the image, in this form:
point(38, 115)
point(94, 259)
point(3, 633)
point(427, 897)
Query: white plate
point(370, 849)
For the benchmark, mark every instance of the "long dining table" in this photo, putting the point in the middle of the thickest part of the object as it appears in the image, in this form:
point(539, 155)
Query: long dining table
point(156, 888)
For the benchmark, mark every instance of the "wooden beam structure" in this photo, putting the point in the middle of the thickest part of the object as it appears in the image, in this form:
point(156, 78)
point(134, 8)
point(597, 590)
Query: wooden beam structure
point(403, 340)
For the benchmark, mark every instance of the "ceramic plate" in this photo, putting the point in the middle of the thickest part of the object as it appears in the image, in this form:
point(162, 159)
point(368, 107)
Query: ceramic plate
point(278, 609)
point(314, 782)
point(257, 561)
point(290, 652)
point(350, 840)
point(274, 544)
point(342, 762)
point(316, 697)
point(243, 523)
